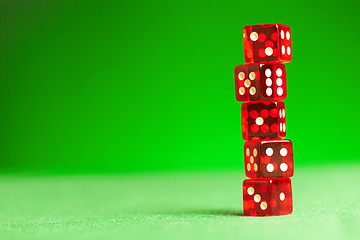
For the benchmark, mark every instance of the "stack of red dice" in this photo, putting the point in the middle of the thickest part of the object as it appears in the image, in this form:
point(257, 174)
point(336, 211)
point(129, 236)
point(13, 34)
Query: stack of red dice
point(261, 85)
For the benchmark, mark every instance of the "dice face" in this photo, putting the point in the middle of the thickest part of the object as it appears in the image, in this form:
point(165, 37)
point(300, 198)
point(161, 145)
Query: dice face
point(269, 159)
point(255, 82)
point(267, 43)
point(267, 197)
point(263, 120)
point(247, 82)
point(252, 159)
point(285, 43)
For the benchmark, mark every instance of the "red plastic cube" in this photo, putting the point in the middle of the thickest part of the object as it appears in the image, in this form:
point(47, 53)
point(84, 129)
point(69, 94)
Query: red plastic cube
point(269, 159)
point(267, 43)
point(255, 82)
point(267, 197)
point(263, 120)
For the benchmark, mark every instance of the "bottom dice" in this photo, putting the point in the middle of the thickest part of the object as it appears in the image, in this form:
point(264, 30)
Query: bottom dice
point(267, 197)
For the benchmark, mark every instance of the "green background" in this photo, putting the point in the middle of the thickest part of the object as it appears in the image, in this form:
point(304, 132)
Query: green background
point(115, 86)
point(118, 119)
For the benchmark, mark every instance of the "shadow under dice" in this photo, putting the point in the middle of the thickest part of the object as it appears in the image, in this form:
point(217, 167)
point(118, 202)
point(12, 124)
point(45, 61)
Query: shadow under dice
point(268, 159)
point(254, 82)
point(263, 120)
point(265, 197)
point(267, 43)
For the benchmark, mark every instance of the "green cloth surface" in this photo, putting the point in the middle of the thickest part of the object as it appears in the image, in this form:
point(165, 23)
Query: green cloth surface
point(175, 206)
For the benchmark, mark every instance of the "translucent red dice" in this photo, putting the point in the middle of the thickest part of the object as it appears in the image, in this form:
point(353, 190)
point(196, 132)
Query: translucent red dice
point(255, 82)
point(268, 159)
point(267, 43)
point(263, 120)
point(265, 197)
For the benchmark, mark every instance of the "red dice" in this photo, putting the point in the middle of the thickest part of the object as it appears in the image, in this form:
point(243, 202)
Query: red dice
point(267, 197)
point(268, 159)
point(263, 120)
point(262, 86)
point(254, 82)
point(267, 43)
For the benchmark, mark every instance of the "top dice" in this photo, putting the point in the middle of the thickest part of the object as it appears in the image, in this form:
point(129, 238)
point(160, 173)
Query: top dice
point(267, 43)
